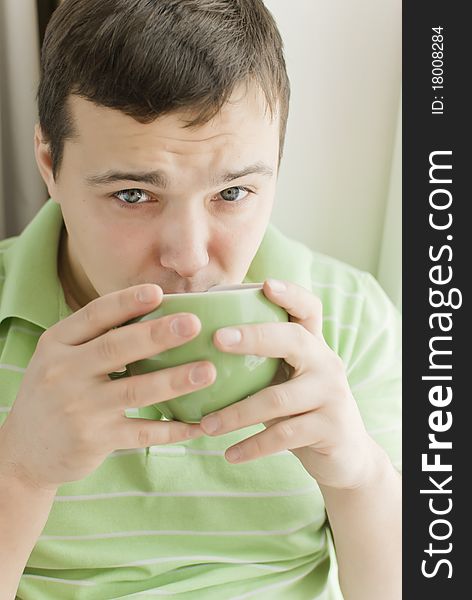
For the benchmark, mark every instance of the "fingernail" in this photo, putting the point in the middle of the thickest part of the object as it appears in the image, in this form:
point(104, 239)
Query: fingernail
point(210, 423)
point(276, 285)
point(233, 454)
point(183, 327)
point(199, 374)
point(147, 294)
point(229, 336)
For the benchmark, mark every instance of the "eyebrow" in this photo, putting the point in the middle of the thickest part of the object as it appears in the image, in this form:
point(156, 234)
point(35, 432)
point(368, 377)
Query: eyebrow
point(159, 179)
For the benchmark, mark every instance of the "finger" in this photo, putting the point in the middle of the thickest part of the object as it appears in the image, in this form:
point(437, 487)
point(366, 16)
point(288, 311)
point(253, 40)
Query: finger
point(296, 432)
point(271, 403)
point(290, 341)
point(141, 433)
point(119, 347)
point(106, 312)
point(159, 386)
point(303, 306)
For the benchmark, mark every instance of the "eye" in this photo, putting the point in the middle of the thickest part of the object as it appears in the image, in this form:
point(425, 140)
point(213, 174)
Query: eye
point(234, 194)
point(132, 196)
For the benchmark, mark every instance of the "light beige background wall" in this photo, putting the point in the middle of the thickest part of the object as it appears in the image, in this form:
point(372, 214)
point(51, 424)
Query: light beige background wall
point(340, 182)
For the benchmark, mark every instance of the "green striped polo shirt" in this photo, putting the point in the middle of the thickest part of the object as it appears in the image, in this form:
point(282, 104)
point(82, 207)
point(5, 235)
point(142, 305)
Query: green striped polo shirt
point(177, 520)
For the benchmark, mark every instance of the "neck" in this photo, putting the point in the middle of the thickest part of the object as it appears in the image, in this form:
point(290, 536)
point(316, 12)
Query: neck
point(75, 295)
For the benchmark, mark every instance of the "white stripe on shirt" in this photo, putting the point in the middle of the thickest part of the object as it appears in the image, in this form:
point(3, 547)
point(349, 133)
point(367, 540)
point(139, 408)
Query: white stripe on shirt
point(58, 580)
point(338, 288)
point(190, 494)
point(193, 532)
point(339, 324)
point(12, 368)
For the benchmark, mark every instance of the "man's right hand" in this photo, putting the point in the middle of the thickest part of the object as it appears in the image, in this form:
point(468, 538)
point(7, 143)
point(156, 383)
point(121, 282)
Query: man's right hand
point(68, 415)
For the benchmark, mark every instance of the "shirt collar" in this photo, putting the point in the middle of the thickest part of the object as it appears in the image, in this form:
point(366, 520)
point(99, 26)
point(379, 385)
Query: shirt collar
point(280, 257)
point(32, 290)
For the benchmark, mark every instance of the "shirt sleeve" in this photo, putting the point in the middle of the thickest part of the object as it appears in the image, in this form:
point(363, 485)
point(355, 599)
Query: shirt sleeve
point(363, 327)
point(374, 368)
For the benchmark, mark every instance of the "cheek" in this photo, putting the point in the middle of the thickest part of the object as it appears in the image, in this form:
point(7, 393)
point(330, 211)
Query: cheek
point(125, 244)
point(233, 247)
point(115, 259)
point(110, 246)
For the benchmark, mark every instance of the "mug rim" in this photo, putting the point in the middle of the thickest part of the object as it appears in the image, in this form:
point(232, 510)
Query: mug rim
point(219, 289)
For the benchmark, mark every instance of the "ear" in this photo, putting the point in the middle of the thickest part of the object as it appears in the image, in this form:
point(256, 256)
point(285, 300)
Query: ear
point(42, 154)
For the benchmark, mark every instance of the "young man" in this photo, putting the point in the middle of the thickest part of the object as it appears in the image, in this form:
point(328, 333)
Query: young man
point(161, 130)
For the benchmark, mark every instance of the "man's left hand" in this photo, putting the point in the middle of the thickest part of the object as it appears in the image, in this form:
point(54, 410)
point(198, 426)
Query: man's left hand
point(313, 413)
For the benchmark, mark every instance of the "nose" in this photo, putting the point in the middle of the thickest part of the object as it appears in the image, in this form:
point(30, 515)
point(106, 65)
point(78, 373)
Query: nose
point(183, 244)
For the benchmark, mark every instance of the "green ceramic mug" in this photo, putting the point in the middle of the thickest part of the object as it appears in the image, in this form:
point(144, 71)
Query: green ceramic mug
point(238, 376)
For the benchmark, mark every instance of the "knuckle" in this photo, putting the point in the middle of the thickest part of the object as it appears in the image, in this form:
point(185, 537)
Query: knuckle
point(91, 313)
point(44, 340)
point(259, 334)
point(145, 437)
point(258, 448)
point(108, 348)
point(177, 433)
point(46, 353)
point(178, 380)
point(285, 431)
point(254, 447)
point(155, 332)
point(330, 452)
point(279, 400)
point(79, 431)
point(52, 373)
point(129, 397)
point(83, 436)
point(300, 334)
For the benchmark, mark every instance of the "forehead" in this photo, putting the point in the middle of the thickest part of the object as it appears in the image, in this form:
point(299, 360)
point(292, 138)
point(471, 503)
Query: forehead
point(243, 126)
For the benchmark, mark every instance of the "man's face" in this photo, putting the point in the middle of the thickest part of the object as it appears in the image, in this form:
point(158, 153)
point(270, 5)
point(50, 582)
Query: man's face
point(202, 196)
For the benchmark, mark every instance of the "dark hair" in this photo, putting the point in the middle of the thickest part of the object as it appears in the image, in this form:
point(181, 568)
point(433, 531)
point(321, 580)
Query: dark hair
point(147, 58)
